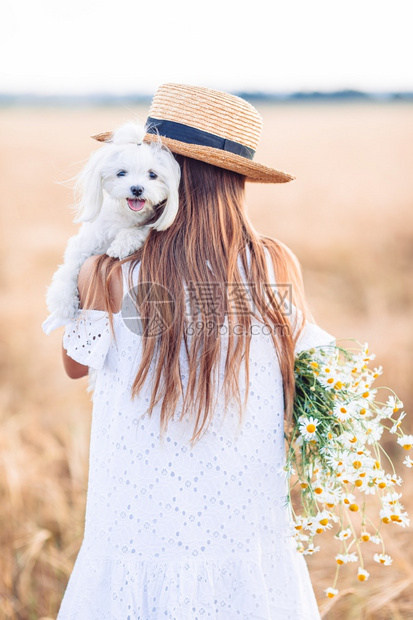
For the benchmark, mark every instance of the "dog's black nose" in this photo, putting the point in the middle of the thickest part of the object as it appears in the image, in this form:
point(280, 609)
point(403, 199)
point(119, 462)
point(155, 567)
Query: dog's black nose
point(136, 190)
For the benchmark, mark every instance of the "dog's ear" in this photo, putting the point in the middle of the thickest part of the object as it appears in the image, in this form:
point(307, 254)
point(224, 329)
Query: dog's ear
point(172, 203)
point(129, 133)
point(89, 188)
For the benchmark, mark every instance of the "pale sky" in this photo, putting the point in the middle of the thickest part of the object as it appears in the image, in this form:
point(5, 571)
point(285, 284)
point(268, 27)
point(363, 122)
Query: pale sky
point(132, 46)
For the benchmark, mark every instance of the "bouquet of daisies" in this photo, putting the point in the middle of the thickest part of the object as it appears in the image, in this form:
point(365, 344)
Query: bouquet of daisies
point(335, 457)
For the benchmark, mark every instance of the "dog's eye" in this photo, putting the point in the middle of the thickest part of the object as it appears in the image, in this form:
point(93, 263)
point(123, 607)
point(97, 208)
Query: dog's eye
point(121, 173)
point(152, 174)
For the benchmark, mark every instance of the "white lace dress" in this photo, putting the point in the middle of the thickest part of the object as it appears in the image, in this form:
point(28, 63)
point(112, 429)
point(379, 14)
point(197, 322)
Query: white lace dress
point(178, 532)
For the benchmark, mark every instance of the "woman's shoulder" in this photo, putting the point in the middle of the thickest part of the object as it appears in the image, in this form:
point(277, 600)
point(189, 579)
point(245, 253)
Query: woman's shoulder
point(93, 292)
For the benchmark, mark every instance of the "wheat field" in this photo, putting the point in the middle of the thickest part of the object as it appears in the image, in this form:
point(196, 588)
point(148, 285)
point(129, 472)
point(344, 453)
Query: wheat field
point(348, 217)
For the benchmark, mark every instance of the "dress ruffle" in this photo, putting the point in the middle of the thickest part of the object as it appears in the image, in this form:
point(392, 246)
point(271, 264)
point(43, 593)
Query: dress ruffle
point(87, 338)
point(183, 590)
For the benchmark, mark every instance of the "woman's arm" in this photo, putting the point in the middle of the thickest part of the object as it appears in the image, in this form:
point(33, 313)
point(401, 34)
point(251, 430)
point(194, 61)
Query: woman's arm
point(73, 369)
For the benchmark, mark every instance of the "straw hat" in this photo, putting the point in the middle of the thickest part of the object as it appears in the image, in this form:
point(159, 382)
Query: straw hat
point(211, 126)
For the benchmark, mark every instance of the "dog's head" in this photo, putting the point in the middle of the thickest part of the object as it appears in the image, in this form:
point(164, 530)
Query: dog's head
point(143, 178)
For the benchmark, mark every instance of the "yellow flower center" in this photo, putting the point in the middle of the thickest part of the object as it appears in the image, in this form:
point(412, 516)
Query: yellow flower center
point(358, 483)
point(353, 507)
point(339, 561)
point(365, 537)
point(361, 577)
point(318, 490)
point(366, 394)
point(310, 428)
point(330, 594)
point(330, 380)
point(357, 464)
point(382, 485)
point(407, 446)
point(363, 411)
point(323, 521)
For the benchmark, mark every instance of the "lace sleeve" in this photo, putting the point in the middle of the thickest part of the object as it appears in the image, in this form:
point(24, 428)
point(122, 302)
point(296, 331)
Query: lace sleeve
point(87, 338)
point(312, 335)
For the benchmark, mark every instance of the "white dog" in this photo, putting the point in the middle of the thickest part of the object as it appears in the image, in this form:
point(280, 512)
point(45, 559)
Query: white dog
point(123, 188)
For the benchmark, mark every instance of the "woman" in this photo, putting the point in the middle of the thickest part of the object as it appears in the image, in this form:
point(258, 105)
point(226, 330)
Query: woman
point(186, 514)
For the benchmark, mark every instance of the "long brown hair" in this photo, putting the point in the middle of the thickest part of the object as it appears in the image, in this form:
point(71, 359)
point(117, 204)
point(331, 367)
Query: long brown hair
point(199, 252)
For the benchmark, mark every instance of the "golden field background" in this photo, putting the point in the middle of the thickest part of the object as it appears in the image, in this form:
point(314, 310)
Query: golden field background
point(348, 217)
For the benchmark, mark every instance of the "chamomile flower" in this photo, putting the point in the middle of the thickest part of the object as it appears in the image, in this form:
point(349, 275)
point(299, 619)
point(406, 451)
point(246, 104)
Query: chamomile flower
point(345, 558)
point(382, 558)
point(344, 412)
point(392, 499)
point(289, 469)
point(344, 534)
point(408, 462)
point(406, 441)
point(373, 432)
point(394, 514)
point(366, 355)
point(331, 592)
point(308, 428)
point(397, 423)
point(330, 378)
point(311, 549)
point(394, 403)
point(366, 392)
point(377, 372)
point(348, 498)
point(362, 574)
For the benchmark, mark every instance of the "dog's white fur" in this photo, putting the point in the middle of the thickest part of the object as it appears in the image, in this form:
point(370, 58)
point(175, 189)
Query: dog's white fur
point(109, 225)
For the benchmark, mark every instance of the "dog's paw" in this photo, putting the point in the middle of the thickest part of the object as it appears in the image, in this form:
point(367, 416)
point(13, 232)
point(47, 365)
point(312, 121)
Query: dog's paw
point(65, 308)
point(126, 243)
point(117, 250)
point(62, 299)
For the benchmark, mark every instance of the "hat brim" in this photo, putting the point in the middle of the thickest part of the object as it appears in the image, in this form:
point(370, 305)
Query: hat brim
point(253, 171)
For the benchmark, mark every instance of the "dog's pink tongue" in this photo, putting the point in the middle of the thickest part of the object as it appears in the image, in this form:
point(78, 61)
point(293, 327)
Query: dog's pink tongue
point(135, 204)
